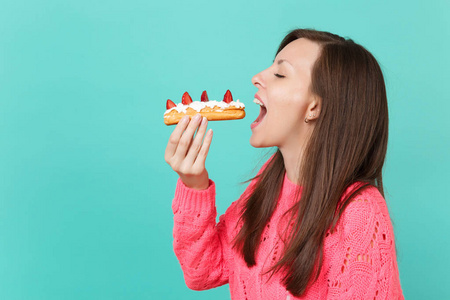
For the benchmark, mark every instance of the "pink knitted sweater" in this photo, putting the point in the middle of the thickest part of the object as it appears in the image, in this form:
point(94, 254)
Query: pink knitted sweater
point(359, 260)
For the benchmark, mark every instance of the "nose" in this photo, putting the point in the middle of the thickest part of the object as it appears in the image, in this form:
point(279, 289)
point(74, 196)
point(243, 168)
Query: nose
point(257, 80)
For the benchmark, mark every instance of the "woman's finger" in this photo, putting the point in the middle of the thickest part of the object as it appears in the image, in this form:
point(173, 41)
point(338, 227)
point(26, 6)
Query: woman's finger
point(174, 138)
point(186, 138)
point(197, 142)
point(201, 157)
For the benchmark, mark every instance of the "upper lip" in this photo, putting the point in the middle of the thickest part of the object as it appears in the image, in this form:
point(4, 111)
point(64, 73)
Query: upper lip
point(259, 98)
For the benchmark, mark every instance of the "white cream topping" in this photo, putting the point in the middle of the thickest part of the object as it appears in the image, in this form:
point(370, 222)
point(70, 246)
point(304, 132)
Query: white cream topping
point(198, 105)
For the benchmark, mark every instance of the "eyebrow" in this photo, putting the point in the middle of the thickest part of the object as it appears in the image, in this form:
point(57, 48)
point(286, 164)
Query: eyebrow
point(282, 61)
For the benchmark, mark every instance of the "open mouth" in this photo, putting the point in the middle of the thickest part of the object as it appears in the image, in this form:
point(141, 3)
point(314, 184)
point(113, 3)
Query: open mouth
point(262, 113)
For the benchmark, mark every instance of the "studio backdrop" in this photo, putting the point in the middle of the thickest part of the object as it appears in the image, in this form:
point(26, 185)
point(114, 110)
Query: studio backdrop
point(85, 193)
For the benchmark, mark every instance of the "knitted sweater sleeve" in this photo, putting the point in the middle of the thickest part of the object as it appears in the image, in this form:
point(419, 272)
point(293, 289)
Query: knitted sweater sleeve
point(364, 265)
point(199, 243)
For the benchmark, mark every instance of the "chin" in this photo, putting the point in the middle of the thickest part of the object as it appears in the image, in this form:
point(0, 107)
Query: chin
point(258, 143)
point(254, 143)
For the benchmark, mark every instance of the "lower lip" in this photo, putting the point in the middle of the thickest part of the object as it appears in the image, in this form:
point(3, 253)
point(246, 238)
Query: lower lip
point(257, 122)
point(254, 124)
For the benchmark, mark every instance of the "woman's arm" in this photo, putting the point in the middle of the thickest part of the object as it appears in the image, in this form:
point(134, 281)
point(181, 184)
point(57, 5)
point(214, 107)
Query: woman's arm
point(199, 243)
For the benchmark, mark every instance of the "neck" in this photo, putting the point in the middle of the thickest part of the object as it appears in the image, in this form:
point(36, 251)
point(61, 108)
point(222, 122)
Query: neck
point(292, 161)
point(293, 155)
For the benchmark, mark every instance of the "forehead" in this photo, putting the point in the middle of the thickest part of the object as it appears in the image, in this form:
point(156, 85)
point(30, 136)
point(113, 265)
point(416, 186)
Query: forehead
point(301, 53)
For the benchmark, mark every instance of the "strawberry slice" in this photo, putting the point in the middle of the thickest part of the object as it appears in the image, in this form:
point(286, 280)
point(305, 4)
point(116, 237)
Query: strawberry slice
point(227, 98)
point(170, 104)
point(204, 97)
point(186, 99)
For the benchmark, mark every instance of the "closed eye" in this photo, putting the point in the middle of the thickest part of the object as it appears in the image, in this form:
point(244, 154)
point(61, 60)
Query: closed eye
point(279, 76)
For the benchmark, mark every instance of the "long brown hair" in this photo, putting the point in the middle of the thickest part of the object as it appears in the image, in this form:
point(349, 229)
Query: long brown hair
point(347, 145)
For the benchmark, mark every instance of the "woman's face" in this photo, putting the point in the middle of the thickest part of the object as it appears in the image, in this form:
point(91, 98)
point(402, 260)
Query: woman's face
point(284, 91)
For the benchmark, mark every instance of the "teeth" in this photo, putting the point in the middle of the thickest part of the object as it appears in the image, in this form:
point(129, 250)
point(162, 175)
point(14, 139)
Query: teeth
point(258, 102)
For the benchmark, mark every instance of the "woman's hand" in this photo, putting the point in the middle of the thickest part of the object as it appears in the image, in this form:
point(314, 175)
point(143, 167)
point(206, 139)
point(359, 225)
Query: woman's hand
point(186, 154)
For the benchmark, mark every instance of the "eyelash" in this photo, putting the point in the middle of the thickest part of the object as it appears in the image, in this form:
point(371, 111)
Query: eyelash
point(279, 76)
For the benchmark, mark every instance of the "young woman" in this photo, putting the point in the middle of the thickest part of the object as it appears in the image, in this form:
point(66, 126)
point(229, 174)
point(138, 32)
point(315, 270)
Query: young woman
point(313, 223)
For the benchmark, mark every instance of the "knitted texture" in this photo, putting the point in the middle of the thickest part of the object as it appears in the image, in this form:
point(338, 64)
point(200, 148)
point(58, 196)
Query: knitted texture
point(359, 260)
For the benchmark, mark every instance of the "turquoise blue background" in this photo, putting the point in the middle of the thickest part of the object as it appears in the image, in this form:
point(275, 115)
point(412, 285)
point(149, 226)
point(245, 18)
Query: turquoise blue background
point(85, 194)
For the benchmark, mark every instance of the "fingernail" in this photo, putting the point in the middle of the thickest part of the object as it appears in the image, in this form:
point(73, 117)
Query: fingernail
point(197, 117)
point(184, 119)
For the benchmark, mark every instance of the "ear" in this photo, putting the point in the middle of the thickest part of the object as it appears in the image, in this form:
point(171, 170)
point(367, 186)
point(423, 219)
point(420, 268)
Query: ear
point(314, 108)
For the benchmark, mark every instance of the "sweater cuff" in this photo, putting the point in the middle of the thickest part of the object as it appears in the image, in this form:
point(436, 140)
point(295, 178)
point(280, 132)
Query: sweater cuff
point(188, 199)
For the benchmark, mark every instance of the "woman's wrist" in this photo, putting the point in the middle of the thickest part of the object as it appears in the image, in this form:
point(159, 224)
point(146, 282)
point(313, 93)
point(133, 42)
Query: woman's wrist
point(196, 182)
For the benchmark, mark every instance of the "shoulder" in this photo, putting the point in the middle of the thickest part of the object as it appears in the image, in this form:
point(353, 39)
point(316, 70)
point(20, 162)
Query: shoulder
point(366, 213)
point(369, 199)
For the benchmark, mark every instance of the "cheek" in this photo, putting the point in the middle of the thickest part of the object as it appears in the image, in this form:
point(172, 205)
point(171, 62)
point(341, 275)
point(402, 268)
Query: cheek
point(288, 119)
point(289, 101)
point(291, 106)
